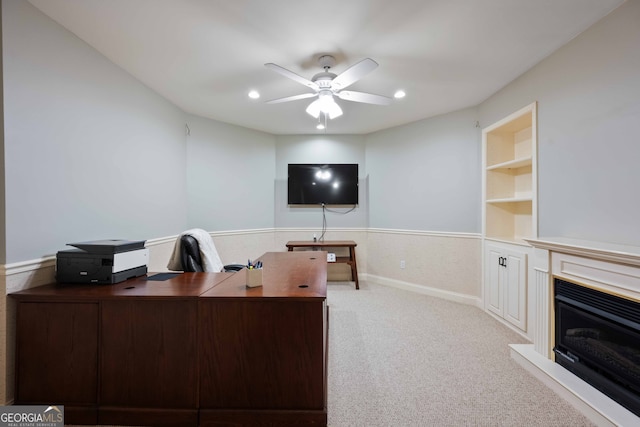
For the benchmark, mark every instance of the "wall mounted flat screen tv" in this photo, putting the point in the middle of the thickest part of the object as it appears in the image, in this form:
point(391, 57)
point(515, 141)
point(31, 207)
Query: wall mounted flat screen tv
point(317, 184)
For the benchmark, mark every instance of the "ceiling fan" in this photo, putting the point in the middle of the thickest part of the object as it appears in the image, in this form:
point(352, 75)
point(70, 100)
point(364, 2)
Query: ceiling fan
point(327, 85)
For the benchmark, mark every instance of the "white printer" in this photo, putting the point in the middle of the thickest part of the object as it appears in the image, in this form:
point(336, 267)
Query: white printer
point(102, 261)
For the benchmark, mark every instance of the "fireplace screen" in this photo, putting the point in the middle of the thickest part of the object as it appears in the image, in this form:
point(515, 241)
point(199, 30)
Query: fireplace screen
point(598, 339)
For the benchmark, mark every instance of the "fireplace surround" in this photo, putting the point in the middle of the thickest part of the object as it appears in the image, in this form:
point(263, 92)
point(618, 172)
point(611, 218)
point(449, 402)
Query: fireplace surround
point(610, 269)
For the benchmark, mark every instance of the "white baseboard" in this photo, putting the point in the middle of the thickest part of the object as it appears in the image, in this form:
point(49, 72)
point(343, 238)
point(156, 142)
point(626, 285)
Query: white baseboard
point(425, 290)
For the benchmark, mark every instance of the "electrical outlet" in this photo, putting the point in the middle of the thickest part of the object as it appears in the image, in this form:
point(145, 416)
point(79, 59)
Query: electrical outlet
point(402, 264)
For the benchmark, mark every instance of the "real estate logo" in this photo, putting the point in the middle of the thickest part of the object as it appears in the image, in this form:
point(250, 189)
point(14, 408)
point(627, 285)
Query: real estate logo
point(32, 416)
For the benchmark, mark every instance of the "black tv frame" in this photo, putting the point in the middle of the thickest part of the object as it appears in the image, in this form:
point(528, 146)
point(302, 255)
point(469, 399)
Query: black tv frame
point(305, 188)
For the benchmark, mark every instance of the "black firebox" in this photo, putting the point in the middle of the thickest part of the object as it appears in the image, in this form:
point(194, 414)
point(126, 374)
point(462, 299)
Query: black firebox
point(598, 339)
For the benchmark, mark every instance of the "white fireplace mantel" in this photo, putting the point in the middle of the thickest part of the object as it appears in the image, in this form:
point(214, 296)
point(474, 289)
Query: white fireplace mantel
point(597, 250)
point(608, 267)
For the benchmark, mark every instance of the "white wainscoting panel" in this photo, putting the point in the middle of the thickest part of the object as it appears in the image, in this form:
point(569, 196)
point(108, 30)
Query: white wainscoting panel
point(449, 262)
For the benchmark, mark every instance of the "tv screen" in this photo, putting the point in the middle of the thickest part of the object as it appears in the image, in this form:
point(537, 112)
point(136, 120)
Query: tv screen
point(329, 184)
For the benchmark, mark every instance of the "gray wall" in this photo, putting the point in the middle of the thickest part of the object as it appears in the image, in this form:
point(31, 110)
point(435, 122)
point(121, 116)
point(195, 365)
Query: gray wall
point(90, 153)
point(588, 95)
point(230, 176)
point(426, 175)
point(320, 149)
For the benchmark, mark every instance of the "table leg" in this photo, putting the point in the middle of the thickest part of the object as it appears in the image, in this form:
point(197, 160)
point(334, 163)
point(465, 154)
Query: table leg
point(354, 268)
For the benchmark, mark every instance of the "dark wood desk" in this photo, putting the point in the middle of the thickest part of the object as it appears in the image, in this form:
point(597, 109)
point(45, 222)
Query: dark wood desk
point(265, 355)
point(325, 244)
point(179, 352)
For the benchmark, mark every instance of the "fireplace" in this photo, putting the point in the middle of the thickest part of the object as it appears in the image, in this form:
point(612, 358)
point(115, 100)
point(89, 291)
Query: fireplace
point(614, 271)
point(597, 337)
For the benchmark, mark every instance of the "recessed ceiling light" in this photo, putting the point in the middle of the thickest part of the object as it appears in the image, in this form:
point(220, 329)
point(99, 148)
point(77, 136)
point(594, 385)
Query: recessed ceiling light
point(399, 94)
point(320, 126)
point(253, 94)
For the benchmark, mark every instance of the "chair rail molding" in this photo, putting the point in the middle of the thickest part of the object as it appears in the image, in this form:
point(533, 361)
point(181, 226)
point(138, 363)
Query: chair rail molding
point(459, 235)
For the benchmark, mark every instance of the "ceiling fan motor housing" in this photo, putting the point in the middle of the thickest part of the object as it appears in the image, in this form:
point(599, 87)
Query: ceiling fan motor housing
point(323, 80)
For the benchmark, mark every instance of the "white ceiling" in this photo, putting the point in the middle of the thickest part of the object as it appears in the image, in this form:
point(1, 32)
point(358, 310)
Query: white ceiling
point(205, 55)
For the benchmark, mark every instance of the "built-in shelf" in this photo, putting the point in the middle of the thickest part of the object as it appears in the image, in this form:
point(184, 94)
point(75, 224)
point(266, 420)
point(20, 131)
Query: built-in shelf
point(511, 199)
point(512, 164)
point(512, 240)
point(508, 218)
point(509, 154)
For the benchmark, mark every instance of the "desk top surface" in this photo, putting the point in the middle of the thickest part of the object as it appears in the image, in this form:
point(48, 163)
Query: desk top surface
point(285, 275)
point(179, 285)
point(320, 244)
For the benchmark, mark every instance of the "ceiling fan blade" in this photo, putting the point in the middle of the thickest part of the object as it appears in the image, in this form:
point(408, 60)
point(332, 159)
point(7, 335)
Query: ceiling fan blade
point(354, 73)
point(291, 75)
point(292, 98)
point(367, 98)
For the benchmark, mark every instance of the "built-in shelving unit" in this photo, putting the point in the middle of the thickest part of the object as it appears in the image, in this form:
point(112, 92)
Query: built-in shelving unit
point(509, 177)
point(509, 214)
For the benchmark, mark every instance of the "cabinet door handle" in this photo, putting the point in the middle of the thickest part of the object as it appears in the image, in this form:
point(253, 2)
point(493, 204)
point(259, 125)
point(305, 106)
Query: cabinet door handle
point(502, 261)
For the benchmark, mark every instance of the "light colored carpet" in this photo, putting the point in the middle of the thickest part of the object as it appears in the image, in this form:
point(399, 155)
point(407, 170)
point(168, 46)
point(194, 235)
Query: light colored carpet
point(401, 359)
point(397, 358)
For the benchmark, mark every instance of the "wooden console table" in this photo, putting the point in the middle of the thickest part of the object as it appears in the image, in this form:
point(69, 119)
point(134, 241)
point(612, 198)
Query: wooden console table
point(196, 349)
point(351, 259)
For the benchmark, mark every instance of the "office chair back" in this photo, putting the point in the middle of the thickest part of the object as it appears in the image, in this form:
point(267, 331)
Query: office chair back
point(190, 254)
point(191, 258)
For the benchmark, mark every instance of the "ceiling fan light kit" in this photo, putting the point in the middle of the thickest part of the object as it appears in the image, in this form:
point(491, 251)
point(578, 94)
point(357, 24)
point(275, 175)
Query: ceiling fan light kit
point(324, 104)
point(327, 84)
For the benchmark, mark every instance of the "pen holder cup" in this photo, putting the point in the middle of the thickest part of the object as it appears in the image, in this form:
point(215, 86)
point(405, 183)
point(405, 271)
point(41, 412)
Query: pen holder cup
point(254, 277)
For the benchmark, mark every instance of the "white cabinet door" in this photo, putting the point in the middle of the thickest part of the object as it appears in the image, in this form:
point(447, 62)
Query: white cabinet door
point(514, 285)
point(493, 273)
point(506, 284)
